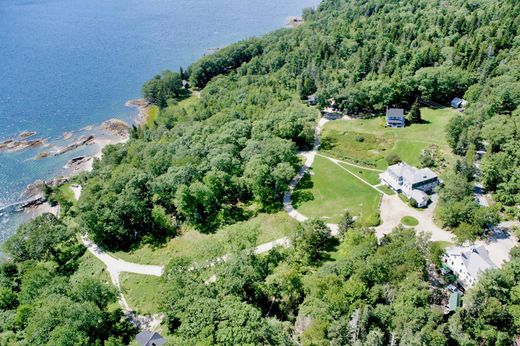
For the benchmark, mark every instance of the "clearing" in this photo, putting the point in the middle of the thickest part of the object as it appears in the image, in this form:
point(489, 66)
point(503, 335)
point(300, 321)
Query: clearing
point(368, 141)
point(199, 246)
point(142, 292)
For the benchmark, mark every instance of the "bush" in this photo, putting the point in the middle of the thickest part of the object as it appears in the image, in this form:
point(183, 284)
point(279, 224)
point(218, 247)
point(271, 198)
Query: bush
point(371, 220)
point(393, 159)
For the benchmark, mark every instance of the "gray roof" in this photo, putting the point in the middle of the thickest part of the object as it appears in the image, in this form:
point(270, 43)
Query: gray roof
point(395, 112)
point(475, 258)
point(411, 174)
point(419, 196)
point(148, 338)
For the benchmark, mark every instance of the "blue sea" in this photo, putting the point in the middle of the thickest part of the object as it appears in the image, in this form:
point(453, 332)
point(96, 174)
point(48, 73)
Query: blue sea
point(67, 64)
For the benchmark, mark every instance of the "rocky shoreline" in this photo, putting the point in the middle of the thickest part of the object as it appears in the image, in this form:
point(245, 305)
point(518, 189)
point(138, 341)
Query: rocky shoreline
point(113, 131)
point(143, 106)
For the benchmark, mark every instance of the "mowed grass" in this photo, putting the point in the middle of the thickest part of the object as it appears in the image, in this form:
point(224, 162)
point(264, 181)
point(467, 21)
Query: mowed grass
point(409, 221)
point(334, 191)
point(368, 141)
point(370, 176)
point(143, 292)
point(198, 246)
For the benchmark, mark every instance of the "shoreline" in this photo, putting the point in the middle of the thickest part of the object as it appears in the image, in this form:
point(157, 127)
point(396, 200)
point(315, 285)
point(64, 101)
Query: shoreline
point(115, 131)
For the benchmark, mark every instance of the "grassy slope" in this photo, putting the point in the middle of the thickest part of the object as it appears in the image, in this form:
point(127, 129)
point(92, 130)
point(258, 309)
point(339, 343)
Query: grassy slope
point(379, 141)
point(142, 292)
point(334, 191)
point(153, 113)
point(66, 191)
point(199, 246)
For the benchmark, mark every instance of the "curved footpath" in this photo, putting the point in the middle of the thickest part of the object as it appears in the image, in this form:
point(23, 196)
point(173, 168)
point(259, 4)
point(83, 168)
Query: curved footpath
point(309, 160)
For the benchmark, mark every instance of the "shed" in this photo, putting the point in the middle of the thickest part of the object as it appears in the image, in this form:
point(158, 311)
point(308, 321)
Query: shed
point(149, 338)
point(458, 102)
point(454, 302)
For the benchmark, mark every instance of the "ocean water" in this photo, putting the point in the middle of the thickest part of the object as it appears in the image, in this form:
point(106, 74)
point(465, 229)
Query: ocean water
point(66, 64)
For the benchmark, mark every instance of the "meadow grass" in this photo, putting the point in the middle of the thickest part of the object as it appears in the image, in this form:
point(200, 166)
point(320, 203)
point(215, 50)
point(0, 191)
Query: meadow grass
point(368, 141)
point(199, 246)
point(143, 292)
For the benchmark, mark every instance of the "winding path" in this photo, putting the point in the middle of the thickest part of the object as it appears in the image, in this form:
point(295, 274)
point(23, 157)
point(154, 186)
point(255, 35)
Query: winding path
point(390, 204)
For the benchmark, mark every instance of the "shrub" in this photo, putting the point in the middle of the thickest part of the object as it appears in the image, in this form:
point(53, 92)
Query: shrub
point(393, 159)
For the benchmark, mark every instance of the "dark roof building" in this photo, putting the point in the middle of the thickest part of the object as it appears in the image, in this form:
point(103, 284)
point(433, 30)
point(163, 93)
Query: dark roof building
point(395, 117)
point(148, 338)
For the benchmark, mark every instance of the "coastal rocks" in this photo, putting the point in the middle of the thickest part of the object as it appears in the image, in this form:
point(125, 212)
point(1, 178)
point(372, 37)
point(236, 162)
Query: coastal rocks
point(144, 107)
point(33, 202)
point(137, 103)
point(76, 162)
point(26, 134)
point(116, 127)
point(42, 155)
point(293, 22)
point(87, 128)
point(84, 140)
point(35, 189)
point(67, 135)
point(11, 145)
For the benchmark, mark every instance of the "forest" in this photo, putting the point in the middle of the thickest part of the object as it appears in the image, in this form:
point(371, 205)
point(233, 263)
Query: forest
point(226, 151)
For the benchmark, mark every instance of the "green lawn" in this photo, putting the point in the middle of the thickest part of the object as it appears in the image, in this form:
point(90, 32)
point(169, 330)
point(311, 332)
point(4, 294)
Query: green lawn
point(199, 246)
point(142, 292)
point(368, 141)
point(409, 221)
point(333, 190)
point(370, 176)
point(386, 190)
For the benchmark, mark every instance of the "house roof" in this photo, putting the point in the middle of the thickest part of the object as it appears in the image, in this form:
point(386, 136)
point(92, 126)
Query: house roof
point(475, 258)
point(411, 174)
point(395, 112)
point(419, 196)
point(148, 338)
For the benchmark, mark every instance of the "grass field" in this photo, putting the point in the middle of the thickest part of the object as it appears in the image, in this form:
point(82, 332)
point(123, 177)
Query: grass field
point(369, 141)
point(370, 176)
point(199, 246)
point(333, 191)
point(142, 292)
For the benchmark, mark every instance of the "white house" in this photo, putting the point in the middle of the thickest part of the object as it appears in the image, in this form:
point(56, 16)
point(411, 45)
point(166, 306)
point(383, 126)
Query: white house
point(395, 117)
point(412, 182)
point(468, 263)
point(458, 102)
